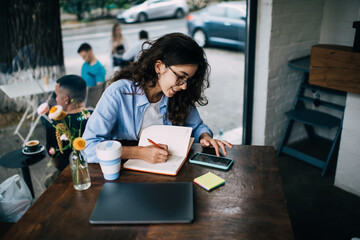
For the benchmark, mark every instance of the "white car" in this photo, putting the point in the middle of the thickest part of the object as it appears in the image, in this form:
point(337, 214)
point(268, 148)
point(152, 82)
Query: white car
point(153, 9)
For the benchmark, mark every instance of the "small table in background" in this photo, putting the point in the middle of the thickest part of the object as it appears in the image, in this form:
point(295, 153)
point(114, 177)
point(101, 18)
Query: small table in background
point(28, 89)
point(16, 159)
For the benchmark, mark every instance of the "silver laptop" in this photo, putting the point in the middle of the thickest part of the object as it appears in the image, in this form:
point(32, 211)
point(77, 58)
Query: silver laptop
point(144, 203)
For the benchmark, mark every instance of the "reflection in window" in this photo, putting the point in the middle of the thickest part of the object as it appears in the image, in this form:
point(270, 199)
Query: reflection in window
point(233, 13)
point(217, 11)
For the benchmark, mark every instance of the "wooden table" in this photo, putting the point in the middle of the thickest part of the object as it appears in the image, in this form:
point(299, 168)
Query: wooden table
point(250, 205)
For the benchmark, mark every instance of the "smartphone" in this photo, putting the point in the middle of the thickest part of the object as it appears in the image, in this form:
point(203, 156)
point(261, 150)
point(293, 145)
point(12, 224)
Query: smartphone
point(211, 161)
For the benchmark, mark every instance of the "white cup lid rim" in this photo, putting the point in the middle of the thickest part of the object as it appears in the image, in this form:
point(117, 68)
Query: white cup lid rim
point(108, 145)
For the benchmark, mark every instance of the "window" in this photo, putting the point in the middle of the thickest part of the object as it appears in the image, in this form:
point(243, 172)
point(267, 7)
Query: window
point(233, 13)
point(217, 11)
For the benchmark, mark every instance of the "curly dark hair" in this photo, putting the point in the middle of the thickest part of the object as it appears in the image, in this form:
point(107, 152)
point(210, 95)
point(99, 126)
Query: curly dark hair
point(171, 49)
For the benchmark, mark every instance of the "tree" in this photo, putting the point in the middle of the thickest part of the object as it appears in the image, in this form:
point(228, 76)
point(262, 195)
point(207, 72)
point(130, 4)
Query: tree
point(30, 34)
point(84, 9)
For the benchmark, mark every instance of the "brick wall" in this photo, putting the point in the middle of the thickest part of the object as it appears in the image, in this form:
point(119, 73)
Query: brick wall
point(286, 30)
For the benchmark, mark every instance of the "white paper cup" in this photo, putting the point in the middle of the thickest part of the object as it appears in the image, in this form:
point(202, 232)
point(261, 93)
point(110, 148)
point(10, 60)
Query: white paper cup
point(108, 154)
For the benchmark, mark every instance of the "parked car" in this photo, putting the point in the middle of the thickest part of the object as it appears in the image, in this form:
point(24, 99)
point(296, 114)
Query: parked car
point(153, 9)
point(222, 24)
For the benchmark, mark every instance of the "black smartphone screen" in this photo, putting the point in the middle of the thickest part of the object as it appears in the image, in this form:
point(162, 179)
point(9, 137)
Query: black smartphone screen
point(212, 160)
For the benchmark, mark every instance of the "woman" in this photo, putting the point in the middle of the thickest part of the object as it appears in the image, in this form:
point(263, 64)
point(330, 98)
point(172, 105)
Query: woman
point(117, 45)
point(162, 87)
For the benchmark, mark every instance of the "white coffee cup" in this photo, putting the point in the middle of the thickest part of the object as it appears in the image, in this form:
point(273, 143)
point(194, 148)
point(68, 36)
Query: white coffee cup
point(108, 154)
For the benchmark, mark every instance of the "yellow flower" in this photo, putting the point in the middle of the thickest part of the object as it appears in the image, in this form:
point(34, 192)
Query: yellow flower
point(79, 144)
point(57, 113)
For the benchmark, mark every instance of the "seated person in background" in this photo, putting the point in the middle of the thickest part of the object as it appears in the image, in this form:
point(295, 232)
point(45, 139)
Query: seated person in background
point(162, 88)
point(132, 54)
point(92, 71)
point(67, 88)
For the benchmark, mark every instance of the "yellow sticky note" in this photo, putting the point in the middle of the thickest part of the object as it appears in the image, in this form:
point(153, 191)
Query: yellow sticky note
point(209, 181)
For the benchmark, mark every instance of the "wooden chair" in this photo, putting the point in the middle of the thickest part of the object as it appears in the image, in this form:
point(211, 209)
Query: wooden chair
point(313, 117)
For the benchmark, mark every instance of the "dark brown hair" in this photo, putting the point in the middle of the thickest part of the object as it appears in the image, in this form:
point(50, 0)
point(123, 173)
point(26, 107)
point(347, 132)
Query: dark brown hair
point(84, 47)
point(75, 86)
point(113, 37)
point(171, 49)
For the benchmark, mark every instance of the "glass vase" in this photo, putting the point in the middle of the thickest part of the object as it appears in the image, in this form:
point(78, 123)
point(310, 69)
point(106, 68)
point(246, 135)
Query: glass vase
point(79, 170)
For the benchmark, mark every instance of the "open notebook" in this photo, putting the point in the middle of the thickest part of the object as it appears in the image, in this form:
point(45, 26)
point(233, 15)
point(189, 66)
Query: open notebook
point(179, 142)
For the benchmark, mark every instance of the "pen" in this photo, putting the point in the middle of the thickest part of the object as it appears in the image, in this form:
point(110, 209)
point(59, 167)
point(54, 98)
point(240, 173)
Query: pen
point(155, 144)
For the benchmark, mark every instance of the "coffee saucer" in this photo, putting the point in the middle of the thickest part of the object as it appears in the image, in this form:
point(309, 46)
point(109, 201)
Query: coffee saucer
point(41, 148)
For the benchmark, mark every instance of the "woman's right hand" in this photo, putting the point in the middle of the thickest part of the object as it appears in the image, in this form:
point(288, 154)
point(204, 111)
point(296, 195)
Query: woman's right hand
point(153, 154)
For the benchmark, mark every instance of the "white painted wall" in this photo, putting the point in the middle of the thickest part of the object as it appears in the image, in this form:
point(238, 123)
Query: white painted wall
point(263, 35)
point(338, 18)
point(337, 29)
point(286, 30)
point(348, 166)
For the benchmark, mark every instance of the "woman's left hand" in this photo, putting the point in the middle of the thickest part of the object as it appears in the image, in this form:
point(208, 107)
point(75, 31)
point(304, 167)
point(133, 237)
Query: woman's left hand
point(207, 141)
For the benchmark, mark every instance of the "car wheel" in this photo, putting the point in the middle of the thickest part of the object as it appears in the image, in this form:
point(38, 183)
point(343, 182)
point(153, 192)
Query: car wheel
point(179, 13)
point(200, 37)
point(142, 17)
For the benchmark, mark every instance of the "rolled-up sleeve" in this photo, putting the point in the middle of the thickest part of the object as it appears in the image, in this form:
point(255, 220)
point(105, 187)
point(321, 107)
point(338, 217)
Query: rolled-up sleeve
point(100, 124)
point(195, 122)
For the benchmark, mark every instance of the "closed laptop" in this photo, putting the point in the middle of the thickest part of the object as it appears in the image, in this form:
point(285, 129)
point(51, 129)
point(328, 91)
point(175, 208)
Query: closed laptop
point(144, 203)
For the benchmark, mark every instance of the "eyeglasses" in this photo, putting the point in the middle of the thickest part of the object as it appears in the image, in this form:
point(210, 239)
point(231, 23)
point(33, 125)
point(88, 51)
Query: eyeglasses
point(180, 79)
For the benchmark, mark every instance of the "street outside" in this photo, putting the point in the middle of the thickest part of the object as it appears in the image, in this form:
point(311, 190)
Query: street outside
point(225, 95)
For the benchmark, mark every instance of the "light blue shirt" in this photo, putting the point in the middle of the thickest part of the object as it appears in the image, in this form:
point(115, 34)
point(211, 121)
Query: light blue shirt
point(93, 74)
point(119, 116)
